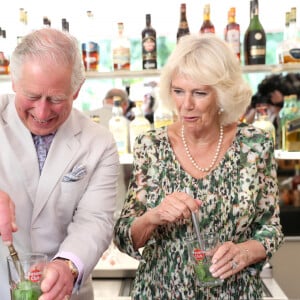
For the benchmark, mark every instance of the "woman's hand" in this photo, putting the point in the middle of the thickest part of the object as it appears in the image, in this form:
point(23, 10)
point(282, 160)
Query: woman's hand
point(231, 258)
point(7, 218)
point(174, 207)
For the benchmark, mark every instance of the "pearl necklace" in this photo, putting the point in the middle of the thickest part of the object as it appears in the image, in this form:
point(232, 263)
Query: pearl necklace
point(207, 169)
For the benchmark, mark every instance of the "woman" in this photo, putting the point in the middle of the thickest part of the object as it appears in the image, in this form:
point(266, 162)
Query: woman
point(229, 168)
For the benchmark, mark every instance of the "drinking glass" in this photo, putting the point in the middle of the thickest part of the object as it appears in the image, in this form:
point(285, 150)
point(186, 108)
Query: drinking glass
point(200, 255)
point(25, 276)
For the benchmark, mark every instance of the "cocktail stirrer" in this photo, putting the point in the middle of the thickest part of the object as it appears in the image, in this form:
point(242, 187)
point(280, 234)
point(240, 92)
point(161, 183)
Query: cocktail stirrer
point(14, 255)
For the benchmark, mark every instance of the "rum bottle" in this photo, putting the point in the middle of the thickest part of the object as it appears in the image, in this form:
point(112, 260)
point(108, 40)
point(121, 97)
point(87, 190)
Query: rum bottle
point(90, 47)
point(255, 38)
point(232, 33)
point(207, 26)
point(149, 45)
point(183, 28)
point(121, 50)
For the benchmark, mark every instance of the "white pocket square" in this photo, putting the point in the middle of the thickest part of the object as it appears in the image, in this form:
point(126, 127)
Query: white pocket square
point(76, 174)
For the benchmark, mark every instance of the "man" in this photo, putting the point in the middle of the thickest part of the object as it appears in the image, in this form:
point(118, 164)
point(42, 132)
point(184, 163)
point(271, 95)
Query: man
point(104, 113)
point(62, 206)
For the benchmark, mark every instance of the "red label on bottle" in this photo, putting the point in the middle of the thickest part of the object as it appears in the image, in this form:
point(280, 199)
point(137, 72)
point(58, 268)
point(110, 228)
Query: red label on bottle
point(35, 275)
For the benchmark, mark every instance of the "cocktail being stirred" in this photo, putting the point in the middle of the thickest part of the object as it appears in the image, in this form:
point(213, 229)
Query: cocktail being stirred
point(201, 255)
point(27, 288)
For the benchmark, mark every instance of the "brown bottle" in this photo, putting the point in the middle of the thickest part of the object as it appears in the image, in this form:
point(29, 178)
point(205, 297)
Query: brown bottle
point(232, 33)
point(183, 28)
point(64, 25)
point(90, 47)
point(207, 26)
point(149, 45)
point(4, 60)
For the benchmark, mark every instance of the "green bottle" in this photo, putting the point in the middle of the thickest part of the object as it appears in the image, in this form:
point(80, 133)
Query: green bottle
point(255, 38)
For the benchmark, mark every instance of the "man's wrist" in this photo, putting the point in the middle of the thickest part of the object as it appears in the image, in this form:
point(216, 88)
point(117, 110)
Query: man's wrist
point(72, 267)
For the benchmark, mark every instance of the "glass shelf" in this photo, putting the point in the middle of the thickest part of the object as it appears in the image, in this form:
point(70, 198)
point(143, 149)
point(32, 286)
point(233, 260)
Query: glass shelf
point(291, 67)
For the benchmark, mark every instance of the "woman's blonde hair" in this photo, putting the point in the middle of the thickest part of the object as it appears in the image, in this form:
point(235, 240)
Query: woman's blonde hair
point(208, 60)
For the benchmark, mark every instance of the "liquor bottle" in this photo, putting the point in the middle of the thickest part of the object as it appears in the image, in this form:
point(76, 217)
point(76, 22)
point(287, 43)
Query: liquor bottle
point(207, 26)
point(65, 25)
point(121, 50)
point(118, 125)
point(4, 53)
point(149, 45)
point(283, 46)
point(46, 22)
point(291, 52)
point(232, 33)
point(291, 128)
point(183, 28)
point(255, 38)
point(22, 25)
point(139, 125)
point(282, 116)
point(90, 47)
point(262, 120)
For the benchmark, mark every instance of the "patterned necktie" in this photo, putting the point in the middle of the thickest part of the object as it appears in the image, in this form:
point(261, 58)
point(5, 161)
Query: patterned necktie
point(42, 145)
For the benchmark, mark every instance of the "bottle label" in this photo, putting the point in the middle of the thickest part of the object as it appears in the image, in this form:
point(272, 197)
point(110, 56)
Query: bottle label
point(233, 39)
point(149, 52)
point(121, 56)
point(183, 25)
point(90, 47)
point(295, 53)
point(257, 51)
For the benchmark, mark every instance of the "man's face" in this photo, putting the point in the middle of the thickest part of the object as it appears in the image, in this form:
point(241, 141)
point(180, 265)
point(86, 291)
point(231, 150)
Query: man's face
point(43, 96)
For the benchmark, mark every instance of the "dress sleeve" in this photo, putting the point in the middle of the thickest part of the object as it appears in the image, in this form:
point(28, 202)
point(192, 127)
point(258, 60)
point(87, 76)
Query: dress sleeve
point(266, 226)
point(135, 201)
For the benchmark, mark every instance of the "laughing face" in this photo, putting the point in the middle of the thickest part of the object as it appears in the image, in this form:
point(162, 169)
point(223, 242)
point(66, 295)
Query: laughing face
point(43, 96)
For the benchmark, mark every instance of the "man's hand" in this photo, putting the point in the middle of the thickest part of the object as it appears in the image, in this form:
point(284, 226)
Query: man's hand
point(58, 281)
point(7, 218)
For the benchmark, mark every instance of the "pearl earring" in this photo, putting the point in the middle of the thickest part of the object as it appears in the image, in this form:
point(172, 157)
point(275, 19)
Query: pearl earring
point(221, 110)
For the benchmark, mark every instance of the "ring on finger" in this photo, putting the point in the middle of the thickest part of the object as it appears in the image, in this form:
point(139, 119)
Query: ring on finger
point(234, 265)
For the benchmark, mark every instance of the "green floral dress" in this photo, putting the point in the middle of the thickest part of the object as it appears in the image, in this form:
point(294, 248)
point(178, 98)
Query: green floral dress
point(240, 202)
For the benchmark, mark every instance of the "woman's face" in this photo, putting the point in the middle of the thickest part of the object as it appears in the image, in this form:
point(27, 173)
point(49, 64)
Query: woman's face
point(44, 96)
point(196, 104)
